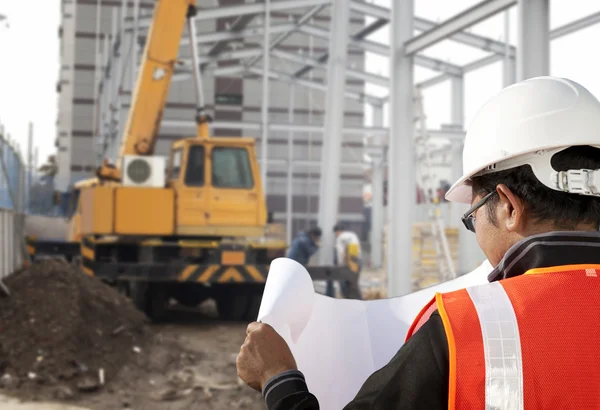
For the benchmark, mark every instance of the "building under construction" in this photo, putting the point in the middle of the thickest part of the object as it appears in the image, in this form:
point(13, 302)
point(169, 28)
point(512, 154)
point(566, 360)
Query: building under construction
point(96, 51)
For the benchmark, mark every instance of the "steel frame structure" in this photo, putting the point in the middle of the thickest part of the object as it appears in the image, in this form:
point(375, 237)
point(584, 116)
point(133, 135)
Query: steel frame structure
point(530, 57)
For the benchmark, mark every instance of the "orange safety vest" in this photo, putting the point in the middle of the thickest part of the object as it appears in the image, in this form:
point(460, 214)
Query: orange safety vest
point(528, 342)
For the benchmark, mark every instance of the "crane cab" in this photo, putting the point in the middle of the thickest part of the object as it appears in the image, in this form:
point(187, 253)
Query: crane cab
point(217, 186)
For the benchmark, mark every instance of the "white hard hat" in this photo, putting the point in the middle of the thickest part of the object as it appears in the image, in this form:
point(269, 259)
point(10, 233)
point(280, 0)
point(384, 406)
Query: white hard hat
point(527, 123)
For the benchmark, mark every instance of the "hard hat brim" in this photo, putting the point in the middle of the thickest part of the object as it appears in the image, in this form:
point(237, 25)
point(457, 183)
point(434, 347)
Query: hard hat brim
point(461, 191)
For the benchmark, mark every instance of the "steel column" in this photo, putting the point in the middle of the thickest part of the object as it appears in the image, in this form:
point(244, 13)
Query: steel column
point(458, 102)
point(402, 184)
point(97, 78)
point(265, 96)
point(334, 118)
point(134, 46)
point(509, 65)
point(465, 239)
point(377, 209)
point(533, 48)
point(29, 168)
point(289, 206)
point(113, 88)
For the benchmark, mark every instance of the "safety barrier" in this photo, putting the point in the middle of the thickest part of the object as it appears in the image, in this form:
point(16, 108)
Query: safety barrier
point(12, 206)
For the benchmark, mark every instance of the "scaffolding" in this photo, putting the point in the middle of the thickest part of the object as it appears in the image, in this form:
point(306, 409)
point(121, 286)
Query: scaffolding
point(528, 58)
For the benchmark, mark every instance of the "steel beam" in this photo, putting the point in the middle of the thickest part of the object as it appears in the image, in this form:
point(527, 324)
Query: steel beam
point(457, 23)
point(534, 39)
point(400, 154)
point(315, 85)
point(368, 77)
point(181, 75)
point(378, 48)
point(438, 65)
point(283, 36)
point(212, 13)
point(248, 125)
point(421, 24)
point(558, 32)
point(575, 26)
point(237, 26)
point(221, 36)
point(371, 28)
point(227, 55)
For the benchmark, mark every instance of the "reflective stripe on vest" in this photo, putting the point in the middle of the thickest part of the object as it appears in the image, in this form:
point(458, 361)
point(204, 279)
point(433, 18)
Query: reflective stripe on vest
point(501, 347)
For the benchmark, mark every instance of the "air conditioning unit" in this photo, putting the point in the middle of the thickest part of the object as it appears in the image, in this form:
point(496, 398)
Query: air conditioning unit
point(143, 171)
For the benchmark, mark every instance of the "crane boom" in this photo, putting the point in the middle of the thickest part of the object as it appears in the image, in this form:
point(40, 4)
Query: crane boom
point(154, 78)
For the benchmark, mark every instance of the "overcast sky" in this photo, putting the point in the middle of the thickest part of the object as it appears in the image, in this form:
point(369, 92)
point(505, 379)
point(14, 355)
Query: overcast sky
point(30, 62)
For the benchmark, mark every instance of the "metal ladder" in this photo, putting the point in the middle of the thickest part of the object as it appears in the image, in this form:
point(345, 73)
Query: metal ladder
point(438, 229)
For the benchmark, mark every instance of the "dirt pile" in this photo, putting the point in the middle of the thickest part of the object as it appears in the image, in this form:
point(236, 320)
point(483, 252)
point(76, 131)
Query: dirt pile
point(62, 331)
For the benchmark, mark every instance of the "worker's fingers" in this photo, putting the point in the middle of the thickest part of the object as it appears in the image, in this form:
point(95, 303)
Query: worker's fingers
point(252, 327)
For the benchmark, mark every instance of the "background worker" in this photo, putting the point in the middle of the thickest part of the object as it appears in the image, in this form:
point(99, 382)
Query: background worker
point(347, 253)
point(304, 245)
point(531, 167)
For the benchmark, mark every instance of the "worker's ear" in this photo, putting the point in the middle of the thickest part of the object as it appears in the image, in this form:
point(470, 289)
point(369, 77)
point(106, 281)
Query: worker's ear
point(510, 209)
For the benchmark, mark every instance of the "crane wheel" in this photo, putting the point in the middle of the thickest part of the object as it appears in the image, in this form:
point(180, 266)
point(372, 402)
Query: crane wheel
point(232, 305)
point(151, 299)
point(239, 302)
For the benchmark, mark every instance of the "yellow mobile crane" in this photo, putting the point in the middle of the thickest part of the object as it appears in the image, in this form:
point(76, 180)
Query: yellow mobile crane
point(197, 232)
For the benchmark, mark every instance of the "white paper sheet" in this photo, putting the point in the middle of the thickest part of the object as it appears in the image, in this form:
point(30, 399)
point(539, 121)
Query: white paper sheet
point(339, 343)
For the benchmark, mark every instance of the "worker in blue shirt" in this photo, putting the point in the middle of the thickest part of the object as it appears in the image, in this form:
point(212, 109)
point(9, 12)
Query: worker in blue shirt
point(305, 245)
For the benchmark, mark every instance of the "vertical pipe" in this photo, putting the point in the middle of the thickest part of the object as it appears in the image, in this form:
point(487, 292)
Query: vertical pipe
point(509, 64)
point(533, 48)
point(377, 209)
point(265, 97)
point(290, 169)
point(401, 148)
point(329, 193)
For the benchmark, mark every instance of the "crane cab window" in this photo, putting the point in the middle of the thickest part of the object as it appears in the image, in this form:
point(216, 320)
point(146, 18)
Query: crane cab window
point(194, 173)
point(176, 163)
point(231, 168)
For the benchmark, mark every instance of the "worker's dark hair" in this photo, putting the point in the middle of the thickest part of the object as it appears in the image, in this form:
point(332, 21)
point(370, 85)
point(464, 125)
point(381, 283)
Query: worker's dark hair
point(339, 227)
point(565, 210)
point(316, 231)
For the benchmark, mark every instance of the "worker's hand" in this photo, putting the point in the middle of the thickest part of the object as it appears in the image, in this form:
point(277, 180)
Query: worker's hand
point(263, 355)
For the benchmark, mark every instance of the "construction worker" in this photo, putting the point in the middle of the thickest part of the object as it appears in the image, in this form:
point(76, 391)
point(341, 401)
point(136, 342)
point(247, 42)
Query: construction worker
point(529, 339)
point(304, 245)
point(347, 253)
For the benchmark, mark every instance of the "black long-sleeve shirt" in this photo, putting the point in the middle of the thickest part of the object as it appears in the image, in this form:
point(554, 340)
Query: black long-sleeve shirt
point(417, 376)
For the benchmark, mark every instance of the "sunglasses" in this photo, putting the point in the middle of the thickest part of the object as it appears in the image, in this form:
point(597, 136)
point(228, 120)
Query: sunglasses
point(468, 219)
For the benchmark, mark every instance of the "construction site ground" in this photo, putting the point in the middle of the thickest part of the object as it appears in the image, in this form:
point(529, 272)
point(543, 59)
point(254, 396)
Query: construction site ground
point(186, 363)
point(67, 338)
